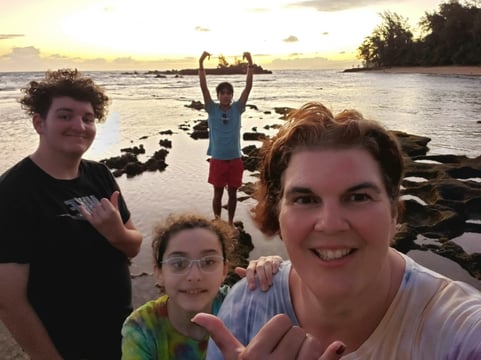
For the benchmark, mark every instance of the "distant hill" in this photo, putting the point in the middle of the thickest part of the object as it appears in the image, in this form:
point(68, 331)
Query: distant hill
point(226, 70)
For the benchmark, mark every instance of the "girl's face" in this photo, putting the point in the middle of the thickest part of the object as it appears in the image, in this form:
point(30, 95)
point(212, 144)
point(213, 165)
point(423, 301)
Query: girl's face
point(336, 220)
point(195, 289)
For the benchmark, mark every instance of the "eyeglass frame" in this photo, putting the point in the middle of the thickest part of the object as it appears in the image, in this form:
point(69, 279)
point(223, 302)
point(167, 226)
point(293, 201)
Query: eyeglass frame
point(191, 263)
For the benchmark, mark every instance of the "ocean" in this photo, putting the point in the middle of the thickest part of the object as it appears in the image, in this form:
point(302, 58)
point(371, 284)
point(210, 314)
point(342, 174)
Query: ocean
point(445, 108)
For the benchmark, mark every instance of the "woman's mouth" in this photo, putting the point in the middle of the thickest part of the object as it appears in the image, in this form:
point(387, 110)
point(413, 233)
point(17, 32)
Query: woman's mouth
point(332, 254)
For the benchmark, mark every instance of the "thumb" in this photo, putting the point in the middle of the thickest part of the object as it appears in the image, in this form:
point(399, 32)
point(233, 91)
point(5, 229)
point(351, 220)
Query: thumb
point(229, 346)
point(114, 199)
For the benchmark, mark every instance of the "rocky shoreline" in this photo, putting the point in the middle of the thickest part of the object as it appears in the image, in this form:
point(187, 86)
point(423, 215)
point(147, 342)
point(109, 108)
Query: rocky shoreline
point(440, 196)
point(432, 70)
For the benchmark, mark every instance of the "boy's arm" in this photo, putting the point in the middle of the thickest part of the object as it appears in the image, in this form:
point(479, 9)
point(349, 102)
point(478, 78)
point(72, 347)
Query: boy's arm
point(18, 315)
point(250, 71)
point(203, 80)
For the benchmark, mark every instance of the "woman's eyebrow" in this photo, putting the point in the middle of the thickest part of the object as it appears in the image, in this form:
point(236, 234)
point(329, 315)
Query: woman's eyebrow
point(363, 186)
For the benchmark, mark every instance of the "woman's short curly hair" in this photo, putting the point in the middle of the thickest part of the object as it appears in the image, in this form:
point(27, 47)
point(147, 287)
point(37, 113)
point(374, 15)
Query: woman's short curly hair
point(38, 95)
point(313, 126)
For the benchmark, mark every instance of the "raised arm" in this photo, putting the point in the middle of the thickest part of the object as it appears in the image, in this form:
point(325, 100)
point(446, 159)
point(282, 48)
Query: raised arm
point(250, 71)
point(203, 80)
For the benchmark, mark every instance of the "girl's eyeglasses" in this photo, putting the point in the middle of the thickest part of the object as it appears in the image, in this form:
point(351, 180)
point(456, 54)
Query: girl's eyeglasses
point(181, 265)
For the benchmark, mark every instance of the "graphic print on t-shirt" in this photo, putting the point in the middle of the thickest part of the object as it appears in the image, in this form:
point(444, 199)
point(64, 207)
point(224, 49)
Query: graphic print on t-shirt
point(89, 202)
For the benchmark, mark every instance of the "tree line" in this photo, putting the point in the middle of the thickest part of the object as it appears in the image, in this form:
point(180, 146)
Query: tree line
point(451, 36)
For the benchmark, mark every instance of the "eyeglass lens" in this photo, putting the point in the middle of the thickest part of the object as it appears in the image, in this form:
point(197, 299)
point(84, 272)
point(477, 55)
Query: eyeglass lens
point(180, 265)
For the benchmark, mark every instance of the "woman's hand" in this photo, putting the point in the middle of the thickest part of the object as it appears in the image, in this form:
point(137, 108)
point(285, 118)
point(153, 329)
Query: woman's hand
point(277, 339)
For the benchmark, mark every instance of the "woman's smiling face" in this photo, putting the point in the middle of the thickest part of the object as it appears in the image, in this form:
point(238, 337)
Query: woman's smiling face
point(336, 219)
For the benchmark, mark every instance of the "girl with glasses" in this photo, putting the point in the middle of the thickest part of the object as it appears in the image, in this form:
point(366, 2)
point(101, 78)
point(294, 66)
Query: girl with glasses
point(191, 256)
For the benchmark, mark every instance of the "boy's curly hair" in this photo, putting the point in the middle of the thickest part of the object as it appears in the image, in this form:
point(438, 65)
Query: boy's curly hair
point(63, 82)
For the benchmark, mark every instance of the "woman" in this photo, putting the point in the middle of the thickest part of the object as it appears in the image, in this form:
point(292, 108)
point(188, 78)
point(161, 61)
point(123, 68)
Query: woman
point(330, 186)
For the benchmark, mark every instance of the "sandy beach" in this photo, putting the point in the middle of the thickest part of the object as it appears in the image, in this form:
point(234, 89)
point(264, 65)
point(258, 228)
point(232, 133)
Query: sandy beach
point(435, 70)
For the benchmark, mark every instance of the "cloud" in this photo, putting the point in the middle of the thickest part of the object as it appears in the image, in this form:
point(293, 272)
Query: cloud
point(296, 62)
point(331, 6)
point(259, 10)
point(30, 59)
point(291, 39)
point(201, 29)
point(10, 36)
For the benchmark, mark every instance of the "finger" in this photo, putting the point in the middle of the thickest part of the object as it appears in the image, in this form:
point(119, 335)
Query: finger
point(250, 274)
point(276, 263)
point(264, 271)
point(334, 351)
point(271, 335)
point(240, 271)
point(290, 345)
point(311, 349)
point(85, 213)
point(225, 341)
point(114, 199)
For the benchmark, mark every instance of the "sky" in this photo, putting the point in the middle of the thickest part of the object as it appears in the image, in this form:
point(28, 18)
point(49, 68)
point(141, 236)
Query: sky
point(36, 35)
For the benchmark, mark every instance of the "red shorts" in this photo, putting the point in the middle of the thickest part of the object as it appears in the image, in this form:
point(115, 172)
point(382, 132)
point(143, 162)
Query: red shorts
point(226, 172)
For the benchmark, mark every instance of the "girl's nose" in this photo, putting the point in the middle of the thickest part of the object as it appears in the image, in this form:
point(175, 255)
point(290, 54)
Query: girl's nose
point(194, 272)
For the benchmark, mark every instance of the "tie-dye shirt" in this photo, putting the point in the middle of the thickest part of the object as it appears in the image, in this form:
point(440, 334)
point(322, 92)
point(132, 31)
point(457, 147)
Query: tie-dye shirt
point(148, 334)
point(431, 317)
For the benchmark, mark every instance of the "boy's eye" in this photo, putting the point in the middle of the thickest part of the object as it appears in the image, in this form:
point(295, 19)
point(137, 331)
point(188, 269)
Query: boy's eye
point(65, 116)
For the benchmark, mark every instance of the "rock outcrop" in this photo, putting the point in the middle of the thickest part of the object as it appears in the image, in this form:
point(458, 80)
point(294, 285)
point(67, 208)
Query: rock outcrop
point(441, 193)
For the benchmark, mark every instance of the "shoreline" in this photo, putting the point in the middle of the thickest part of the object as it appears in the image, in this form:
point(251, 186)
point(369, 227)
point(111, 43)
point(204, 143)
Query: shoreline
point(428, 70)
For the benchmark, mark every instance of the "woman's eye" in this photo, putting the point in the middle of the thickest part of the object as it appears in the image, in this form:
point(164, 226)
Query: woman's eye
point(304, 200)
point(359, 197)
point(88, 120)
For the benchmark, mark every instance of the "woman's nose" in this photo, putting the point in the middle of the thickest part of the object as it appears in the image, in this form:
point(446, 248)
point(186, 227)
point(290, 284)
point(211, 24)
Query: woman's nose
point(331, 218)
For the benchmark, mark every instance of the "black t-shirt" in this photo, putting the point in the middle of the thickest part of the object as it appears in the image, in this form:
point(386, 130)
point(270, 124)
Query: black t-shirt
point(79, 284)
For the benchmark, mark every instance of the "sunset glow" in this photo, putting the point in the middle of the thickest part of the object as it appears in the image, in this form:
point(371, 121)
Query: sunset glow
point(126, 34)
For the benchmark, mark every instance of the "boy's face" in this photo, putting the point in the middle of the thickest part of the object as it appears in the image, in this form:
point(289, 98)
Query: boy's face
point(225, 97)
point(69, 127)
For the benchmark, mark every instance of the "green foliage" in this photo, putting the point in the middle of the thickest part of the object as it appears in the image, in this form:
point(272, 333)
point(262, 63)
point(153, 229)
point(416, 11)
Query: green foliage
point(451, 36)
point(223, 63)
